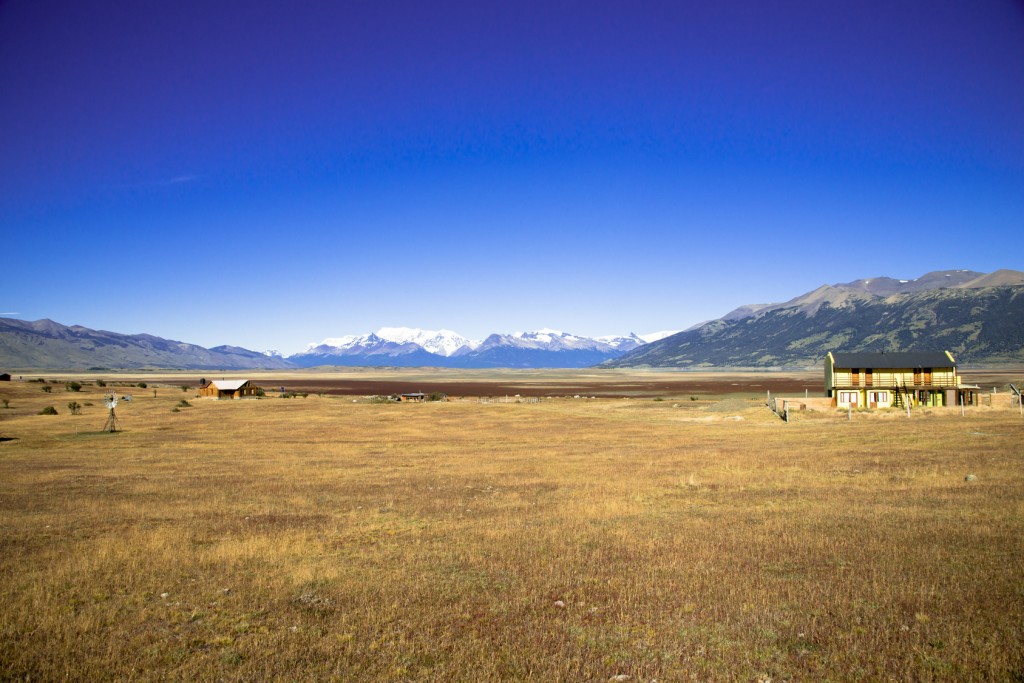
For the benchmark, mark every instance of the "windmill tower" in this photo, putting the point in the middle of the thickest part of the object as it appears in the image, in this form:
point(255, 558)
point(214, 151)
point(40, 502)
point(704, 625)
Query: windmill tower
point(111, 402)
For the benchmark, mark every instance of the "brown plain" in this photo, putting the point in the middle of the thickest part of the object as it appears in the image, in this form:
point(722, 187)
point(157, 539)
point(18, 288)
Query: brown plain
point(333, 538)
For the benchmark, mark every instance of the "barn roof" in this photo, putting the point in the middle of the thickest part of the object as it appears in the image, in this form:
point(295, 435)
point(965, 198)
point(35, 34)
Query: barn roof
point(899, 359)
point(229, 384)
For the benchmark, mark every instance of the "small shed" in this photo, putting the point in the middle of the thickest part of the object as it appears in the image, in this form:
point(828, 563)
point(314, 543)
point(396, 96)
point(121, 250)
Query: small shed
point(417, 397)
point(5, 377)
point(229, 388)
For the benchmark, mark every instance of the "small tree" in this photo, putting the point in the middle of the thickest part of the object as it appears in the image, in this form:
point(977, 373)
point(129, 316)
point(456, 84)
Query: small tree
point(48, 410)
point(47, 388)
point(75, 407)
point(72, 386)
point(185, 387)
point(100, 383)
point(6, 405)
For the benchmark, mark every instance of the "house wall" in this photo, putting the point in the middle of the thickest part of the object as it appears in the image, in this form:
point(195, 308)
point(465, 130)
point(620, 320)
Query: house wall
point(875, 397)
point(940, 377)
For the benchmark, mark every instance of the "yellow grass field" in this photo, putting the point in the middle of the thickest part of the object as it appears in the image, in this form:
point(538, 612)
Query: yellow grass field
point(340, 539)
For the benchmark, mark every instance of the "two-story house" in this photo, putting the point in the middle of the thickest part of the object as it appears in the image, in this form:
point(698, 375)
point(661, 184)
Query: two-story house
point(884, 380)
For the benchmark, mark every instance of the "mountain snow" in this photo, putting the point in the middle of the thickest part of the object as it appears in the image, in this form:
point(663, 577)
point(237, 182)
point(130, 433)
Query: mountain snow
point(448, 344)
point(442, 342)
point(655, 336)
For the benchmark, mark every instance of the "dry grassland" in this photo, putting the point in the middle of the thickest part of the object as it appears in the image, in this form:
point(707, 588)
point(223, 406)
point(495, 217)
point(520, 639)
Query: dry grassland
point(321, 539)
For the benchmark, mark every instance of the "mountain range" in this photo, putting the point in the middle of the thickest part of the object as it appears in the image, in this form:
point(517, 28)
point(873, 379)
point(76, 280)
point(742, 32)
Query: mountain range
point(402, 346)
point(978, 317)
point(45, 344)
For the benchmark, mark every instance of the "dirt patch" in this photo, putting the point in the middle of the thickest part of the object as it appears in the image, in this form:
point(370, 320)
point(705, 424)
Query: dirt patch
point(545, 387)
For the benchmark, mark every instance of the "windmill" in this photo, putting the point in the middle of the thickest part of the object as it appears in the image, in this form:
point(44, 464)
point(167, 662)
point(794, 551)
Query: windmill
point(110, 402)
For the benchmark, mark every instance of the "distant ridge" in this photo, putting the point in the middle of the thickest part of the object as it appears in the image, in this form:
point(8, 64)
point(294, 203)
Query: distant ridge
point(46, 344)
point(978, 317)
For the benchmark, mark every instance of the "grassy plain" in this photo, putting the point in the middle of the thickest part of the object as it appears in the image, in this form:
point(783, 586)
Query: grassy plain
point(321, 538)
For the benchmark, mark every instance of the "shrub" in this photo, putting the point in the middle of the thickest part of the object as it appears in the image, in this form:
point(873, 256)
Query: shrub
point(184, 404)
point(48, 410)
point(185, 387)
point(141, 385)
point(437, 396)
point(100, 383)
point(75, 407)
point(47, 388)
point(72, 386)
point(6, 403)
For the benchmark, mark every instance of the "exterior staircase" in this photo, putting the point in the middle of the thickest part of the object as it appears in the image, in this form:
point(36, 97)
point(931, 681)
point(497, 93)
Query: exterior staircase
point(901, 396)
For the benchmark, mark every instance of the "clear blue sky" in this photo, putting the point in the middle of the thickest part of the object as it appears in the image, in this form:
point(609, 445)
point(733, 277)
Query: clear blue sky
point(268, 174)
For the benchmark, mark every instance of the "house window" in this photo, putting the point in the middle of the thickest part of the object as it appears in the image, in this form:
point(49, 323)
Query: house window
point(878, 397)
point(848, 397)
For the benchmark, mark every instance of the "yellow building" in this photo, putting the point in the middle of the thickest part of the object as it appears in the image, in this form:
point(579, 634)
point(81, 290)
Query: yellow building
point(885, 380)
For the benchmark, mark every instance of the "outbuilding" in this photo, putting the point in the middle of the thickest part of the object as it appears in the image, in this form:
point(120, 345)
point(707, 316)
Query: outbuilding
point(5, 377)
point(229, 388)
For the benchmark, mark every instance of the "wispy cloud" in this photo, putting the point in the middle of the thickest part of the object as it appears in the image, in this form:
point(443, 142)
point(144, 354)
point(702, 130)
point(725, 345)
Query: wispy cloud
point(14, 313)
point(176, 180)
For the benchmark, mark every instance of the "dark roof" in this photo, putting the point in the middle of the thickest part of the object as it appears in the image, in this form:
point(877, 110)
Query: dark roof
point(898, 359)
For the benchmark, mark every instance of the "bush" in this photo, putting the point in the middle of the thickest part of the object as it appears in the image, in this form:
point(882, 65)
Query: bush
point(75, 407)
point(6, 403)
point(100, 383)
point(72, 386)
point(48, 410)
point(141, 385)
point(437, 396)
point(185, 387)
point(47, 388)
point(184, 404)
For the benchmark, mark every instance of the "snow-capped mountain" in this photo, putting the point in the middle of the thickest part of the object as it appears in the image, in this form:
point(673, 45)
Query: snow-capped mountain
point(546, 339)
point(441, 342)
point(404, 346)
point(627, 343)
point(365, 349)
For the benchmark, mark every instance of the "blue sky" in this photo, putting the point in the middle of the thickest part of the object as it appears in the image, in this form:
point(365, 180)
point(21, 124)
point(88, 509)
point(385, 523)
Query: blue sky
point(268, 174)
